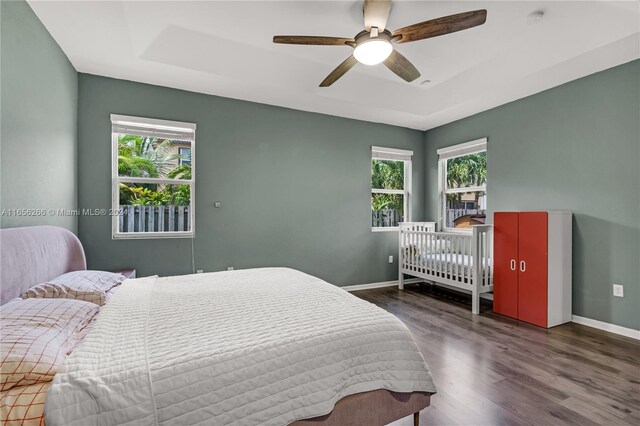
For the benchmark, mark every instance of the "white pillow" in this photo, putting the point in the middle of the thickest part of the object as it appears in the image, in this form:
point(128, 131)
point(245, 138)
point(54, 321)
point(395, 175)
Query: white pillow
point(90, 286)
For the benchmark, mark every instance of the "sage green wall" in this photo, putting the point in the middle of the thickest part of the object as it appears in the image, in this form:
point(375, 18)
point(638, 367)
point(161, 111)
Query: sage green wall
point(575, 147)
point(294, 186)
point(39, 120)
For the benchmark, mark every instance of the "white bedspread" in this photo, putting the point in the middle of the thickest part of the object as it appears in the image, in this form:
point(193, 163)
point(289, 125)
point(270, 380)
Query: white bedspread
point(258, 346)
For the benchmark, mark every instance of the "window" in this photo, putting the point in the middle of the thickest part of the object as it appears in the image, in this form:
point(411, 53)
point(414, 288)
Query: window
point(153, 178)
point(390, 187)
point(184, 156)
point(463, 185)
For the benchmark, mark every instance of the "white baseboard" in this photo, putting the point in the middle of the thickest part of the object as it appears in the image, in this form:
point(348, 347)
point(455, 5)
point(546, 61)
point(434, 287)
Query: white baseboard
point(612, 328)
point(381, 284)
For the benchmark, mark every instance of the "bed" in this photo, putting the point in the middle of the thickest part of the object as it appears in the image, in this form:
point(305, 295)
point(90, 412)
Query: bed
point(262, 346)
point(461, 261)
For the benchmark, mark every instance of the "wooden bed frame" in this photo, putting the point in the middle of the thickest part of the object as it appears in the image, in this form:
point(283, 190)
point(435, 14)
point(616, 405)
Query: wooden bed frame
point(443, 258)
point(32, 255)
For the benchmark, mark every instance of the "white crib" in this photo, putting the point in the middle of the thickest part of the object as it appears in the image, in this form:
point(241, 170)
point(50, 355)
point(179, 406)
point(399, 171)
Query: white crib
point(455, 260)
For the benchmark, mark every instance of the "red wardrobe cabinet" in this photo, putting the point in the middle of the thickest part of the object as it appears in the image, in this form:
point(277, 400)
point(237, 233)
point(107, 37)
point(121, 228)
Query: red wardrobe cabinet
point(532, 266)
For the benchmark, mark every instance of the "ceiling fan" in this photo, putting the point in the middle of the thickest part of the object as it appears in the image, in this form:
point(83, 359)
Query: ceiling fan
point(375, 44)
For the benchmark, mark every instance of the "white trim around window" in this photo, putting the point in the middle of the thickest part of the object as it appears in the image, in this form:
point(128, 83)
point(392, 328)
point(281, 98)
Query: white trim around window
point(151, 127)
point(445, 154)
point(395, 154)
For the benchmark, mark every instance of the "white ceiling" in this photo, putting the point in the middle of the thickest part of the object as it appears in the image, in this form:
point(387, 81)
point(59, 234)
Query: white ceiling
point(224, 48)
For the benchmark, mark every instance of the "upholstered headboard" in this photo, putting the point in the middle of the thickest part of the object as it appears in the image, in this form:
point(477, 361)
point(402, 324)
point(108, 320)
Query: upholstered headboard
point(34, 254)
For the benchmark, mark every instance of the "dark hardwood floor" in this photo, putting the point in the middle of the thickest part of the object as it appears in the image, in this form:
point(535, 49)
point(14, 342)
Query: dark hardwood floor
point(492, 370)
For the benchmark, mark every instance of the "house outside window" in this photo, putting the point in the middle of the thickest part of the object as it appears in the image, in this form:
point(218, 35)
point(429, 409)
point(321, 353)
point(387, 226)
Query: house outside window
point(184, 155)
point(463, 185)
point(390, 187)
point(153, 178)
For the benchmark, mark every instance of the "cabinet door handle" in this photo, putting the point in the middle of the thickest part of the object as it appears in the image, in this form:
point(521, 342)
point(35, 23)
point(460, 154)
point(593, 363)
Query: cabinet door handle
point(523, 266)
point(513, 264)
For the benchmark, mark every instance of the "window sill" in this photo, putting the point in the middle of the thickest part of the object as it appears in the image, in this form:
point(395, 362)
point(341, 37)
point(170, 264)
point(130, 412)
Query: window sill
point(389, 229)
point(151, 235)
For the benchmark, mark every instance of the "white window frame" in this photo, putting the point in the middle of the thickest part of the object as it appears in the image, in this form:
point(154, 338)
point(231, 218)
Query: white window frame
point(445, 154)
point(162, 128)
point(394, 154)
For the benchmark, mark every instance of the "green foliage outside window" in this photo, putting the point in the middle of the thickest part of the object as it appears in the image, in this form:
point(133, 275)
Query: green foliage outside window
point(465, 171)
point(148, 157)
point(387, 174)
point(468, 170)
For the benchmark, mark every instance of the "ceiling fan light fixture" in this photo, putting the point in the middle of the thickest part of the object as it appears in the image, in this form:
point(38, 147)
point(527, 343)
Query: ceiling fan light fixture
point(373, 51)
point(373, 45)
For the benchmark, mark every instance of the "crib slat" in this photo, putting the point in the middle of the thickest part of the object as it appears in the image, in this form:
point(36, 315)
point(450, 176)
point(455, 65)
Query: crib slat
point(439, 250)
point(482, 259)
point(458, 257)
point(417, 249)
point(485, 258)
point(443, 270)
point(402, 250)
point(427, 253)
point(415, 254)
point(461, 260)
point(478, 267)
point(451, 258)
point(465, 269)
point(443, 259)
point(423, 258)
point(436, 254)
point(414, 257)
point(466, 256)
point(471, 250)
point(445, 256)
point(408, 245)
point(427, 256)
point(408, 248)
point(485, 263)
point(432, 256)
point(421, 247)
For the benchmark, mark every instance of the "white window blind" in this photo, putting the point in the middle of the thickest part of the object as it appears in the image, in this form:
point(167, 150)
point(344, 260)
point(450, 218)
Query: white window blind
point(463, 149)
point(383, 153)
point(164, 129)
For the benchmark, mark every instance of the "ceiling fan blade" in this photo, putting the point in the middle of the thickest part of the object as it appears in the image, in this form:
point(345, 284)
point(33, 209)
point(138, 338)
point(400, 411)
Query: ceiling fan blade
point(339, 71)
point(441, 26)
point(401, 66)
point(376, 14)
point(312, 40)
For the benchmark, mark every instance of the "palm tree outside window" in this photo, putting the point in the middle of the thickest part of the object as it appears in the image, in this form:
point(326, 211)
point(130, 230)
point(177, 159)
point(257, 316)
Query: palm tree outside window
point(390, 187)
point(153, 178)
point(463, 185)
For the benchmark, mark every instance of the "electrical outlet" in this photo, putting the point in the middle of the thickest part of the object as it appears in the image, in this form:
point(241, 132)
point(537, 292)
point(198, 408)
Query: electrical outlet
point(618, 290)
point(199, 271)
point(390, 259)
point(229, 268)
